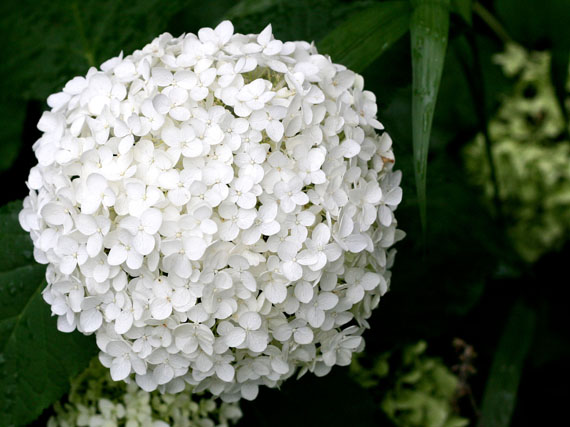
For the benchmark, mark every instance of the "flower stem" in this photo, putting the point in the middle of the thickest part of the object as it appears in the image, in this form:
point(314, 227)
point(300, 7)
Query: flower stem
point(87, 52)
point(476, 85)
point(492, 22)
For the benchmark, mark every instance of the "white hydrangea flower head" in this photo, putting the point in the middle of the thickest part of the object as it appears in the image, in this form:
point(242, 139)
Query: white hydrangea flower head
point(217, 209)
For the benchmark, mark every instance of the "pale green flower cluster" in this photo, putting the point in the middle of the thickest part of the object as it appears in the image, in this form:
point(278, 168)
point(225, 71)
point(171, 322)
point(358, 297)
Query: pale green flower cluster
point(423, 393)
point(531, 156)
point(95, 400)
point(422, 390)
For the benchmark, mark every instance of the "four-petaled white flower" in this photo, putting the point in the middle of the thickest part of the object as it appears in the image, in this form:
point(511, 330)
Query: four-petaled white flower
point(248, 334)
point(143, 229)
point(290, 195)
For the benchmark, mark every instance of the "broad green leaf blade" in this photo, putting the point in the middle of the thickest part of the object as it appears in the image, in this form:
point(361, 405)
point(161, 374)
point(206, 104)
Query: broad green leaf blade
point(365, 35)
point(429, 26)
point(462, 8)
point(36, 360)
point(501, 390)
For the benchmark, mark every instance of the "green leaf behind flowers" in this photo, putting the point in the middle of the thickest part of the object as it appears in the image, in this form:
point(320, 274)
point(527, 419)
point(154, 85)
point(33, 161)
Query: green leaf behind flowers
point(12, 112)
point(365, 35)
point(428, 28)
point(36, 360)
point(502, 386)
point(462, 8)
point(63, 38)
point(310, 20)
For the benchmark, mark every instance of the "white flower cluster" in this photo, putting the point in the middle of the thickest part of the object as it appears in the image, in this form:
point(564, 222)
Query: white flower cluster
point(217, 208)
point(95, 400)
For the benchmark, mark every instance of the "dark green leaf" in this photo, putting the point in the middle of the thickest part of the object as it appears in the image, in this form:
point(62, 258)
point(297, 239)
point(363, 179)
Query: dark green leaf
point(36, 360)
point(47, 42)
point(457, 110)
point(12, 113)
point(496, 84)
point(501, 390)
point(365, 35)
point(462, 8)
point(430, 291)
point(428, 28)
point(294, 19)
point(249, 7)
point(536, 24)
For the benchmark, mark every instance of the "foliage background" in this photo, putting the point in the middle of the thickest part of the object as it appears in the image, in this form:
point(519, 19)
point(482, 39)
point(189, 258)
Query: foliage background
point(461, 282)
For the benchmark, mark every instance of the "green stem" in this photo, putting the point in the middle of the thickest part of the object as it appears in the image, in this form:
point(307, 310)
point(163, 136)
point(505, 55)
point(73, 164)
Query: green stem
point(476, 86)
point(87, 52)
point(492, 22)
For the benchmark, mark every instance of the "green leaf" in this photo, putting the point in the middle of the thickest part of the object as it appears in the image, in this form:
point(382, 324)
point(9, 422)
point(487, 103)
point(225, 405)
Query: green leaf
point(36, 360)
point(250, 7)
point(309, 20)
point(63, 38)
point(429, 27)
point(462, 8)
point(536, 24)
point(365, 35)
point(13, 113)
point(501, 390)
point(465, 245)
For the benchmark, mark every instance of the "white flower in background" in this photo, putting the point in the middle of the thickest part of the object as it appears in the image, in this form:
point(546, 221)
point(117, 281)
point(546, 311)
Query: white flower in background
point(95, 400)
point(217, 209)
